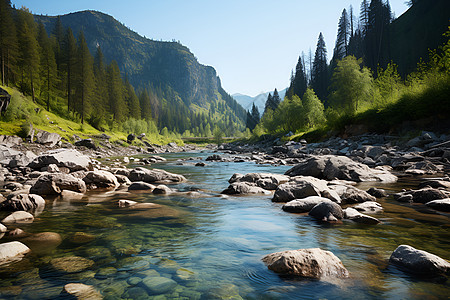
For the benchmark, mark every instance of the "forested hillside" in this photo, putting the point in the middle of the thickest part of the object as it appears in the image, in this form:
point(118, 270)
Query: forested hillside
point(91, 68)
point(395, 70)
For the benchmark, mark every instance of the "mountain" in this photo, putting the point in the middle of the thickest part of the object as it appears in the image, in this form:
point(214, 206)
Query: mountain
point(169, 69)
point(260, 100)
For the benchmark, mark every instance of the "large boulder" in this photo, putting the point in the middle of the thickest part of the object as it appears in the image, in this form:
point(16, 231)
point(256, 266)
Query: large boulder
point(243, 188)
point(100, 179)
point(331, 167)
point(155, 175)
point(49, 139)
point(12, 158)
point(441, 205)
point(26, 202)
point(304, 186)
point(141, 186)
point(303, 205)
point(88, 143)
point(12, 251)
point(355, 195)
point(81, 291)
point(423, 195)
point(419, 262)
point(327, 212)
point(69, 158)
point(266, 181)
point(54, 183)
point(19, 217)
point(310, 263)
point(369, 207)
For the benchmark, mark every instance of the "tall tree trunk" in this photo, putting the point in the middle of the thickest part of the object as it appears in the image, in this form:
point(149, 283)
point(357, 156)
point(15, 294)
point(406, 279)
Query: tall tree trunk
point(48, 87)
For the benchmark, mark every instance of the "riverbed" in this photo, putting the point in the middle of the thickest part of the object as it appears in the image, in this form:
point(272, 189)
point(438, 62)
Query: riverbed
point(211, 245)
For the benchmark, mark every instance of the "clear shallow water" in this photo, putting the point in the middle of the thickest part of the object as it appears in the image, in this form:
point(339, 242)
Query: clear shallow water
point(212, 246)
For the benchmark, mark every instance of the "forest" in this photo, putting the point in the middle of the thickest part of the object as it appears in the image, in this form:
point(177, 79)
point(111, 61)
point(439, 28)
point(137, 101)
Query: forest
point(56, 68)
point(361, 84)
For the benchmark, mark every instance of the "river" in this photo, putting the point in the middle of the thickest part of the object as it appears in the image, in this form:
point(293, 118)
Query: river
point(212, 246)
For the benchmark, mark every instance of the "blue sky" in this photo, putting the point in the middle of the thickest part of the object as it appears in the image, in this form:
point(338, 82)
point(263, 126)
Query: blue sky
point(253, 44)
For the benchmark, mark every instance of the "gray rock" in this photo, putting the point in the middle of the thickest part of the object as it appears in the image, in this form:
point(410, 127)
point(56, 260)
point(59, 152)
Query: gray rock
point(53, 184)
point(69, 158)
point(421, 196)
point(327, 212)
point(243, 188)
point(10, 140)
point(154, 175)
point(49, 139)
point(122, 179)
point(369, 207)
point(304, 186)
point(214, 157)
point(355, 195)
point(377, 193)
point(356, 216)
point(130, 138)
point(3, 228)
point(435, 184)
point(419, 262)
point(303, 205)
point(81, 291)
point(266, 181)
point(101, 179)
point(88, 143)
point(140, 185)
point(12, 251)
point(162, 190)
point(310, 263)
point(25, 202)
point(441, 205)
point(339, 167)
point(18, 217)
point(159, 285)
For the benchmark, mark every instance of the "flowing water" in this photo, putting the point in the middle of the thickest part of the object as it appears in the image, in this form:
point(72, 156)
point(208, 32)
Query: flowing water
point(212, 246)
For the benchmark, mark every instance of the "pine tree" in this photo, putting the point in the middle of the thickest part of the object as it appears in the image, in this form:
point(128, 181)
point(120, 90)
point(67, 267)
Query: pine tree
point(269, 103)
point(8, 40)
point(364, 17)
point(28, 51)
point(48, 64)
point(70, 57)
point(132, 100)
point(299, 82)
point(276, 99)
point(253, 118)
point(319, 81)
point(84, 78)
point(58, 34)
point(146, 110)
point(100, 95)
point(117, 105)
point(343, 37)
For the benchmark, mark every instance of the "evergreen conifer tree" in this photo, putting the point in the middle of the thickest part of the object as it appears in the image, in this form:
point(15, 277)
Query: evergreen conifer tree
point(84, 78)
point(117, 105)
point(299, 82)
point(48, 64)
point(319, 81)
point(8, 40)
point(70, 58)
point(343, 37)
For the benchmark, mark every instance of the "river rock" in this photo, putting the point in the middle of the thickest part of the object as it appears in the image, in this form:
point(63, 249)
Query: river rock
point(71, 264)
point(42, 242)
point(369, 207)
point(435, 184)
point(80, 238)
point(140, 186)
point(441, 205)
point(354, 215)
point(88, 143)
point(423, 195)
point(214, 157)
point(54, 183)
point(155, 175)
point(49, 139)
point(3, 228)
point(159, 285)
point(69, 158)
point(122, 179)
point(266, 181)
point(243, 188)
point(304, 186)
point(339, 167)
point(327, 212)
point(126, 203)
point(377, 193)
point(12, 251)
point(303, 205)
point(19, 217)
point(419, 262)
point(310, 263)
point(81, 291)
point(355, 195)
point(26, 202)
point(101, 179)
point(162, 190)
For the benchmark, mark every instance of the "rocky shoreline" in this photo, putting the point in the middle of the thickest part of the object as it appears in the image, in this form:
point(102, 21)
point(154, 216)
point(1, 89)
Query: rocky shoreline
point(320, 183)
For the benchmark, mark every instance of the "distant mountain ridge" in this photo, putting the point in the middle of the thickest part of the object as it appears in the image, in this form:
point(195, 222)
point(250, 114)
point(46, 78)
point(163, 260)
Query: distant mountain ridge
point(169, 68)
point(260, 100)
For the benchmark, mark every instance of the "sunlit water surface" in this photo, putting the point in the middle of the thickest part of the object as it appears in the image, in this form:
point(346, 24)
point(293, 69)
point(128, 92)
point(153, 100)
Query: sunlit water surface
point(212, 246)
